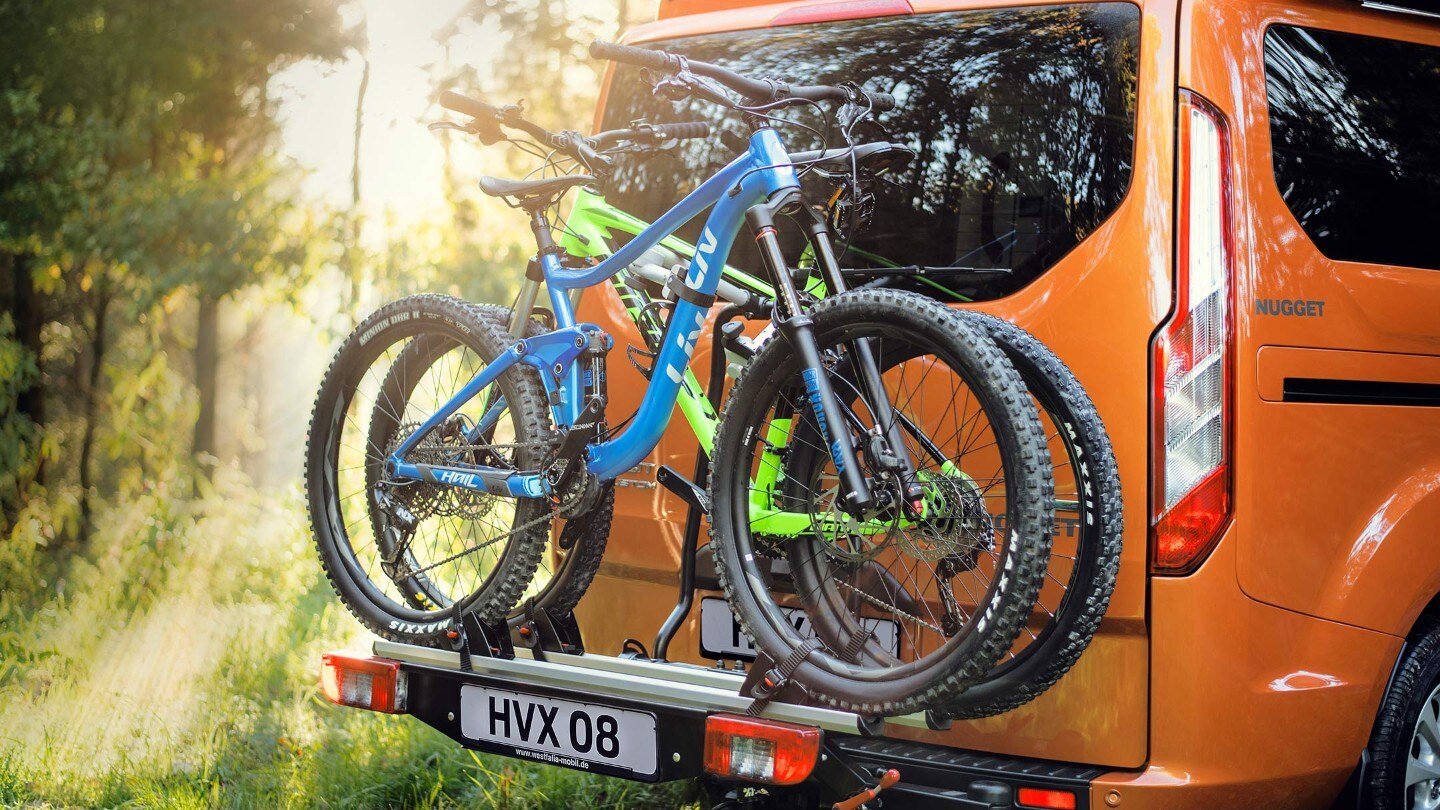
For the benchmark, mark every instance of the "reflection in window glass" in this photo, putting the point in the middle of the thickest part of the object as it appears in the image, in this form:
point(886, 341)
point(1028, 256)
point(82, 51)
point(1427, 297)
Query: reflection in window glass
point(1022, 119)
point(1353, 126)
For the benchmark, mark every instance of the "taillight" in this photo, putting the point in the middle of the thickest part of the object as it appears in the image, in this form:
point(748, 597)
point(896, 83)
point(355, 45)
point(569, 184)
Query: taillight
point(365, 683)
point(760, 750)
point(1190, 498)
point(1045, 798)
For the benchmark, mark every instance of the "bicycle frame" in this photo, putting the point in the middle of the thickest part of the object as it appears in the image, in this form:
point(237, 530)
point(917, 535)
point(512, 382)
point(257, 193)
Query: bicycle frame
point(762, 172)
point(589, 232)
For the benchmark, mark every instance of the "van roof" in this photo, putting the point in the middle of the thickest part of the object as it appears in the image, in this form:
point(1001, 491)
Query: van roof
point(841, 9)
point(754, 13)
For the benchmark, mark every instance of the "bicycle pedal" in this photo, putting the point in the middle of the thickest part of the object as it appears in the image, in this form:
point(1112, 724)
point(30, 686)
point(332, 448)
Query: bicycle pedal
point(689, 491)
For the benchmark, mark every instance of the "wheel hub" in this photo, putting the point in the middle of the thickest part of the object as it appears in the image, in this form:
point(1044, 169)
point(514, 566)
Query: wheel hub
point(955, 526)
point(1422, 765)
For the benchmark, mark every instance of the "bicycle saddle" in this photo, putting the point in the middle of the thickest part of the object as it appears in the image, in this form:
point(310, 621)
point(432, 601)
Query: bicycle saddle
point(530, 189)
point(875, 158)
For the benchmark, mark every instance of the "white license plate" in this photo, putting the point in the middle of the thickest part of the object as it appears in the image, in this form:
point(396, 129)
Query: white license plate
point(586, 736)
point(721, 636)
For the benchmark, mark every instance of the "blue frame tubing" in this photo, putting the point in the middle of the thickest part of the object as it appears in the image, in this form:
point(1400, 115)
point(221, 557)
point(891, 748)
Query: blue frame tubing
point(763, 172)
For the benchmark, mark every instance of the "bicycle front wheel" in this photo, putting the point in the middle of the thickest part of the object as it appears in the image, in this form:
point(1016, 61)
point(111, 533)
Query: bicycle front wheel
point(895, 613)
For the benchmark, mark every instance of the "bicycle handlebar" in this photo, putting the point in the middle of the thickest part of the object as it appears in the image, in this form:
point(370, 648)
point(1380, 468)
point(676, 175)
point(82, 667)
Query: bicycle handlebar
point(452, 100)
point(571, 143)
point(757, 89)
point(651, 133)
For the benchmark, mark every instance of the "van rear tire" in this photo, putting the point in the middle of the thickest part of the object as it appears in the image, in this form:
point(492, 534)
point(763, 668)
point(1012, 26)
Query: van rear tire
point(1407, 729)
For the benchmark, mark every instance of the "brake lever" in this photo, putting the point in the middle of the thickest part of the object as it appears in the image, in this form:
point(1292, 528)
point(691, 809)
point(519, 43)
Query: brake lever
point(671, 89)
point(489, 133)
point(684, 85)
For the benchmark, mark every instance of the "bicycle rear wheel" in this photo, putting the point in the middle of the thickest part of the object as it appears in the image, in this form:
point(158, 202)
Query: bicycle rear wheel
point(1085, 555)
point(902, 614)
point(568, 564)
point(405, 555)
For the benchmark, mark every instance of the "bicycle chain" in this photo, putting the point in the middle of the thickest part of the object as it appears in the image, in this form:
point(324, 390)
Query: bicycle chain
point(890, 608)
point(546, 517)
point(526, 526)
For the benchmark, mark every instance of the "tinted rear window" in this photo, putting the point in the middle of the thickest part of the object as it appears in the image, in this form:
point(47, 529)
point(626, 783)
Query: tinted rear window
point(1023, 121)
point(1353, 128)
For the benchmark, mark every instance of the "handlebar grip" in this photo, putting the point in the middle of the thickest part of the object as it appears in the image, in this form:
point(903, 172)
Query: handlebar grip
point(680, 132)
point(644, 57)
point(452, 100)
point(881, 102)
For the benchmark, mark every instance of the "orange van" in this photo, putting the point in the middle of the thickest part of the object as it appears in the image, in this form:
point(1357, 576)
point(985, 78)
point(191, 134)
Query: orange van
point(1274, 638)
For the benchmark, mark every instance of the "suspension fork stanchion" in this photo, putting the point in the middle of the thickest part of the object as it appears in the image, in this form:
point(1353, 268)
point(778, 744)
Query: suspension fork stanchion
point(799, 331)
point(867, 365)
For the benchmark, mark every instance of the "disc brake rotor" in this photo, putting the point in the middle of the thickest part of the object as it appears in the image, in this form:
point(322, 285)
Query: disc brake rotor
point(956, 525)
point(844, 537)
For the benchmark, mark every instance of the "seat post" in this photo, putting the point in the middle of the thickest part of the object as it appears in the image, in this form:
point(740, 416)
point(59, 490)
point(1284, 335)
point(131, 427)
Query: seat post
point(545, 242)
point(530, 285)
point(540, 226)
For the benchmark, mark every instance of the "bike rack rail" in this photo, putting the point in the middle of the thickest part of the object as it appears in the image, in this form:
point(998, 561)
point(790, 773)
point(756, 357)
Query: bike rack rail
point(682, 696)
point(686, 686)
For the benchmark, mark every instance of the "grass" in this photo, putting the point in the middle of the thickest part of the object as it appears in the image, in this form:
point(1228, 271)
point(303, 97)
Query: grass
point(174, 665)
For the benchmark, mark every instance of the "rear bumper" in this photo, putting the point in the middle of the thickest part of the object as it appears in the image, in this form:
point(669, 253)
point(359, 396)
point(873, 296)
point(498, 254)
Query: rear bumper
point(1250, 706)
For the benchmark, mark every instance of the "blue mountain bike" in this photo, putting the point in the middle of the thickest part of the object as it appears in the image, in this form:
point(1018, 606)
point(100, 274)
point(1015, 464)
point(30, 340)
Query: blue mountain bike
point(873, 450)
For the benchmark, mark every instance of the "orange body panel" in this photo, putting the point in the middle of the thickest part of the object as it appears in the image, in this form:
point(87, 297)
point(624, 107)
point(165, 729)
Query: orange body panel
point(1293, 624)
point(1252, 706)
point(1356, 542)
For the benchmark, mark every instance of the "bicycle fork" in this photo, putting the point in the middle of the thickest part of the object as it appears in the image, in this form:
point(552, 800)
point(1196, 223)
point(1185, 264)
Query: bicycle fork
point(887, 445)
point(896, 457)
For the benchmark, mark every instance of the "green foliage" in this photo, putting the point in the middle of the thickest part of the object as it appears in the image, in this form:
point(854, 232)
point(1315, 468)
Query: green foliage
point(155, 678)
point(18, 434)
point(169, 660)
point(136, 173)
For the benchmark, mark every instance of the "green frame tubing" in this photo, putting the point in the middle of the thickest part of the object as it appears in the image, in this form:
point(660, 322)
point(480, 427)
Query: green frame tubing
point(588, 232)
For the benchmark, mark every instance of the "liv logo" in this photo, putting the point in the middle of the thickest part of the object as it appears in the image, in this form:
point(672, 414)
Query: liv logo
point(703, 252)
point(686, 342)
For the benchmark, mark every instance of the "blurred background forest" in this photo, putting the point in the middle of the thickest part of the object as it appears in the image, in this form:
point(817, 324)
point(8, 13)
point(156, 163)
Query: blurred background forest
point(198, 199)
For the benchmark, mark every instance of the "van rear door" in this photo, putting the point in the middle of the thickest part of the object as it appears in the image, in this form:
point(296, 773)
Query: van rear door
point(1044, 142)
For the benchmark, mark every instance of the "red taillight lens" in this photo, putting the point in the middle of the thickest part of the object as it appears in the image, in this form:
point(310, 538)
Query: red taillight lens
point(1190, 498)
point(760, 750)
point(365, 683)
point(1049, 799)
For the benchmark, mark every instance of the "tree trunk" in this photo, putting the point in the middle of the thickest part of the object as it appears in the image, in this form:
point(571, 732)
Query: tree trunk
point(98, 347)
point(207, 358)
point(352, 261)
point(25, 308)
